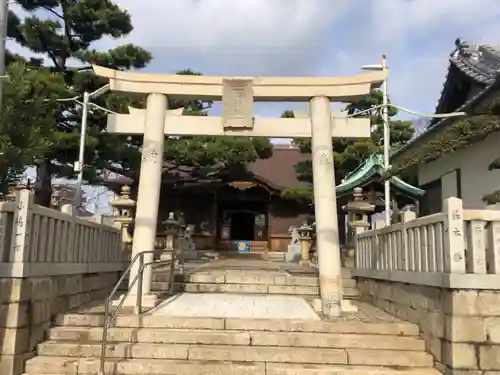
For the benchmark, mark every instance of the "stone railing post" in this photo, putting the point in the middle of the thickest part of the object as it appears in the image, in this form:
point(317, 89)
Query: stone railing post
point(454, 246)
point(377, 246)
point(404, 264)
point(20, 240)
point(69, 209)
point(101, 253)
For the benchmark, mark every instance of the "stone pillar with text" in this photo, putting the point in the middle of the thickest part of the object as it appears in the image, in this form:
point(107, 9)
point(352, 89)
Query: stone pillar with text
point(325, 207)
point(148, 195)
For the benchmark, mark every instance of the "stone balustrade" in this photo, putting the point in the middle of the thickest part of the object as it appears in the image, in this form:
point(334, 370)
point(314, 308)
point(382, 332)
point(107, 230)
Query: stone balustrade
point(50, 262)
point(39, 241)
point(441, 272)
point(455, 248)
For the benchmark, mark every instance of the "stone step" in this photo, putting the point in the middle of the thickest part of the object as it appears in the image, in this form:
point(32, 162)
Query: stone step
point(238, 338)
point(299, 272)
point(347, 356)
point(209, 278)
point(163, 286)
point(65, 365)
point(237, 288)
point(90, 366)
point(272, 325)
point(294, 369)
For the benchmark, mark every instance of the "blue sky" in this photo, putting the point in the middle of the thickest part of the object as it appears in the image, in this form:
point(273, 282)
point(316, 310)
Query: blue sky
point(312, 38)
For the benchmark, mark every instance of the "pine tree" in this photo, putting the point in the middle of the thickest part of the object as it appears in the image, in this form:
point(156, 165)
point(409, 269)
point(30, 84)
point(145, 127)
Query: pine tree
point(64, 36)
point(63, 32)
point(28, 95)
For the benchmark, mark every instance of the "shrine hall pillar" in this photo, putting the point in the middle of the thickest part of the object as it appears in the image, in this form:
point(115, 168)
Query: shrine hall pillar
point(325, 206)
point(148, 195)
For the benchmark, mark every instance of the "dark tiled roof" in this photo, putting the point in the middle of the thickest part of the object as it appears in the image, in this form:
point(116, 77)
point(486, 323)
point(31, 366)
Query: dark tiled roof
point(279, 170)
point(479, 63)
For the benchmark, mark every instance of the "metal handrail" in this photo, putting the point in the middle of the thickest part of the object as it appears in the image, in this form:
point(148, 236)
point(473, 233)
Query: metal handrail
point(138, 303)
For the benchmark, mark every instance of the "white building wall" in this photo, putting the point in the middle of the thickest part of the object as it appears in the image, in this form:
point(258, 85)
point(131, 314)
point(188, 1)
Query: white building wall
point(473, 162)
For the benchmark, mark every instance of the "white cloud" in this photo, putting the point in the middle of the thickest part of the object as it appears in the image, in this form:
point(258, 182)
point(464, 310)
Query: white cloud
point(313, 37)
point(395, 21)
point(254, 24)
point(254, 37)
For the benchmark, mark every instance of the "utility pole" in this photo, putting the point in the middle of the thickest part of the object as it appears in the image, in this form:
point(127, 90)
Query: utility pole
point(78, 166)
point(387, 135)
point(4, 16)
point(387, 146)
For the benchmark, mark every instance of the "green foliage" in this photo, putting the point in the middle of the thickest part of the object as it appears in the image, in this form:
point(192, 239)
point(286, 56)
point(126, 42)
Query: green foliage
point(27, 122)
point(288, 114)
point(63, 33)
point(492, 198)
point(495, 164)
point(461, 133)
point(349, 154)
point(298, 194)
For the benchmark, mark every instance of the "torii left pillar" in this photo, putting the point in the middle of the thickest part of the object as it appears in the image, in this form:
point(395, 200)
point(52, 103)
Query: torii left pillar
point(148, 195)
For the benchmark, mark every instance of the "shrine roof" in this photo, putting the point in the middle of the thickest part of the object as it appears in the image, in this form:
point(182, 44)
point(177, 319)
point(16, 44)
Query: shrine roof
point(477, 63)
point(279, 170)
point(472, 77)
point(371, 169)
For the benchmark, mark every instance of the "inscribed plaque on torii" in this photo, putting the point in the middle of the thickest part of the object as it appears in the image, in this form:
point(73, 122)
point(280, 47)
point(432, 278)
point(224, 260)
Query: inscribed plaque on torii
point(237, 103)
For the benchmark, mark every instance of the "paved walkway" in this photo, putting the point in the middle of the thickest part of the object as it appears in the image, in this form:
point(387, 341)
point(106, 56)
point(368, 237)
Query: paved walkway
point(236, 306)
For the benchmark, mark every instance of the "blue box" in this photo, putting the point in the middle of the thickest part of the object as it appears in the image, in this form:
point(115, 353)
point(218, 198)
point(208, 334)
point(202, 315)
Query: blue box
point(241, 246)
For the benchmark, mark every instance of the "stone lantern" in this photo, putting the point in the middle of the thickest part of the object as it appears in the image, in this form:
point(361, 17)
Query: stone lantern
point(172, 227)
point(357, 211)
point(306, 232)
point(125, 206)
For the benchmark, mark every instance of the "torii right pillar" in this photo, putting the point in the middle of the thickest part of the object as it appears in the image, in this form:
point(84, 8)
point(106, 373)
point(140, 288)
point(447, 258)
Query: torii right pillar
point(325, 207)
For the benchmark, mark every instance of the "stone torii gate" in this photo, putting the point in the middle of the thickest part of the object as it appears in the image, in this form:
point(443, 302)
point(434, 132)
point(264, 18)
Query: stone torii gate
point(238, 95)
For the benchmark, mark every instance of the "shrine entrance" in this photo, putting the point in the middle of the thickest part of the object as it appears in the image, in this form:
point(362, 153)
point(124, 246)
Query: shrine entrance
point(242, 221)
point(242, 216)
point(238, 95)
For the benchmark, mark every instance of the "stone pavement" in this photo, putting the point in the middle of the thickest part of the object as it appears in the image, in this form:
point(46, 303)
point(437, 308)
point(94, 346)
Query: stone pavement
point(236, 306)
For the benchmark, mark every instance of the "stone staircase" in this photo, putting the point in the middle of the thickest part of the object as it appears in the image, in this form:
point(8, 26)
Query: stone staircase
point(161, 345)
point(248, 282)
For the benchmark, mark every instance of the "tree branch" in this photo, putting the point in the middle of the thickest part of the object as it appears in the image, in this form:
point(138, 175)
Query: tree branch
point(67, 29)
point(53, 12)
point(51, 54)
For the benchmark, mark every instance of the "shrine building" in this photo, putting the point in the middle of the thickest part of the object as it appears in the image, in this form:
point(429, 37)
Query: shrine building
point(247, 208)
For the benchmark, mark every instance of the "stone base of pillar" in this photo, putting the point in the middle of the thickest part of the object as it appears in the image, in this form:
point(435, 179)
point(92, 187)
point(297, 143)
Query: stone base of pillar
point(149, 301)
point(166, 256)
point(305, 262)
point(346, 306)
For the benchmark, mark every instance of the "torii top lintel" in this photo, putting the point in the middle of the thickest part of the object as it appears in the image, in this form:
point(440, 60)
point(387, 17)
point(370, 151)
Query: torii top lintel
point(297, 89)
